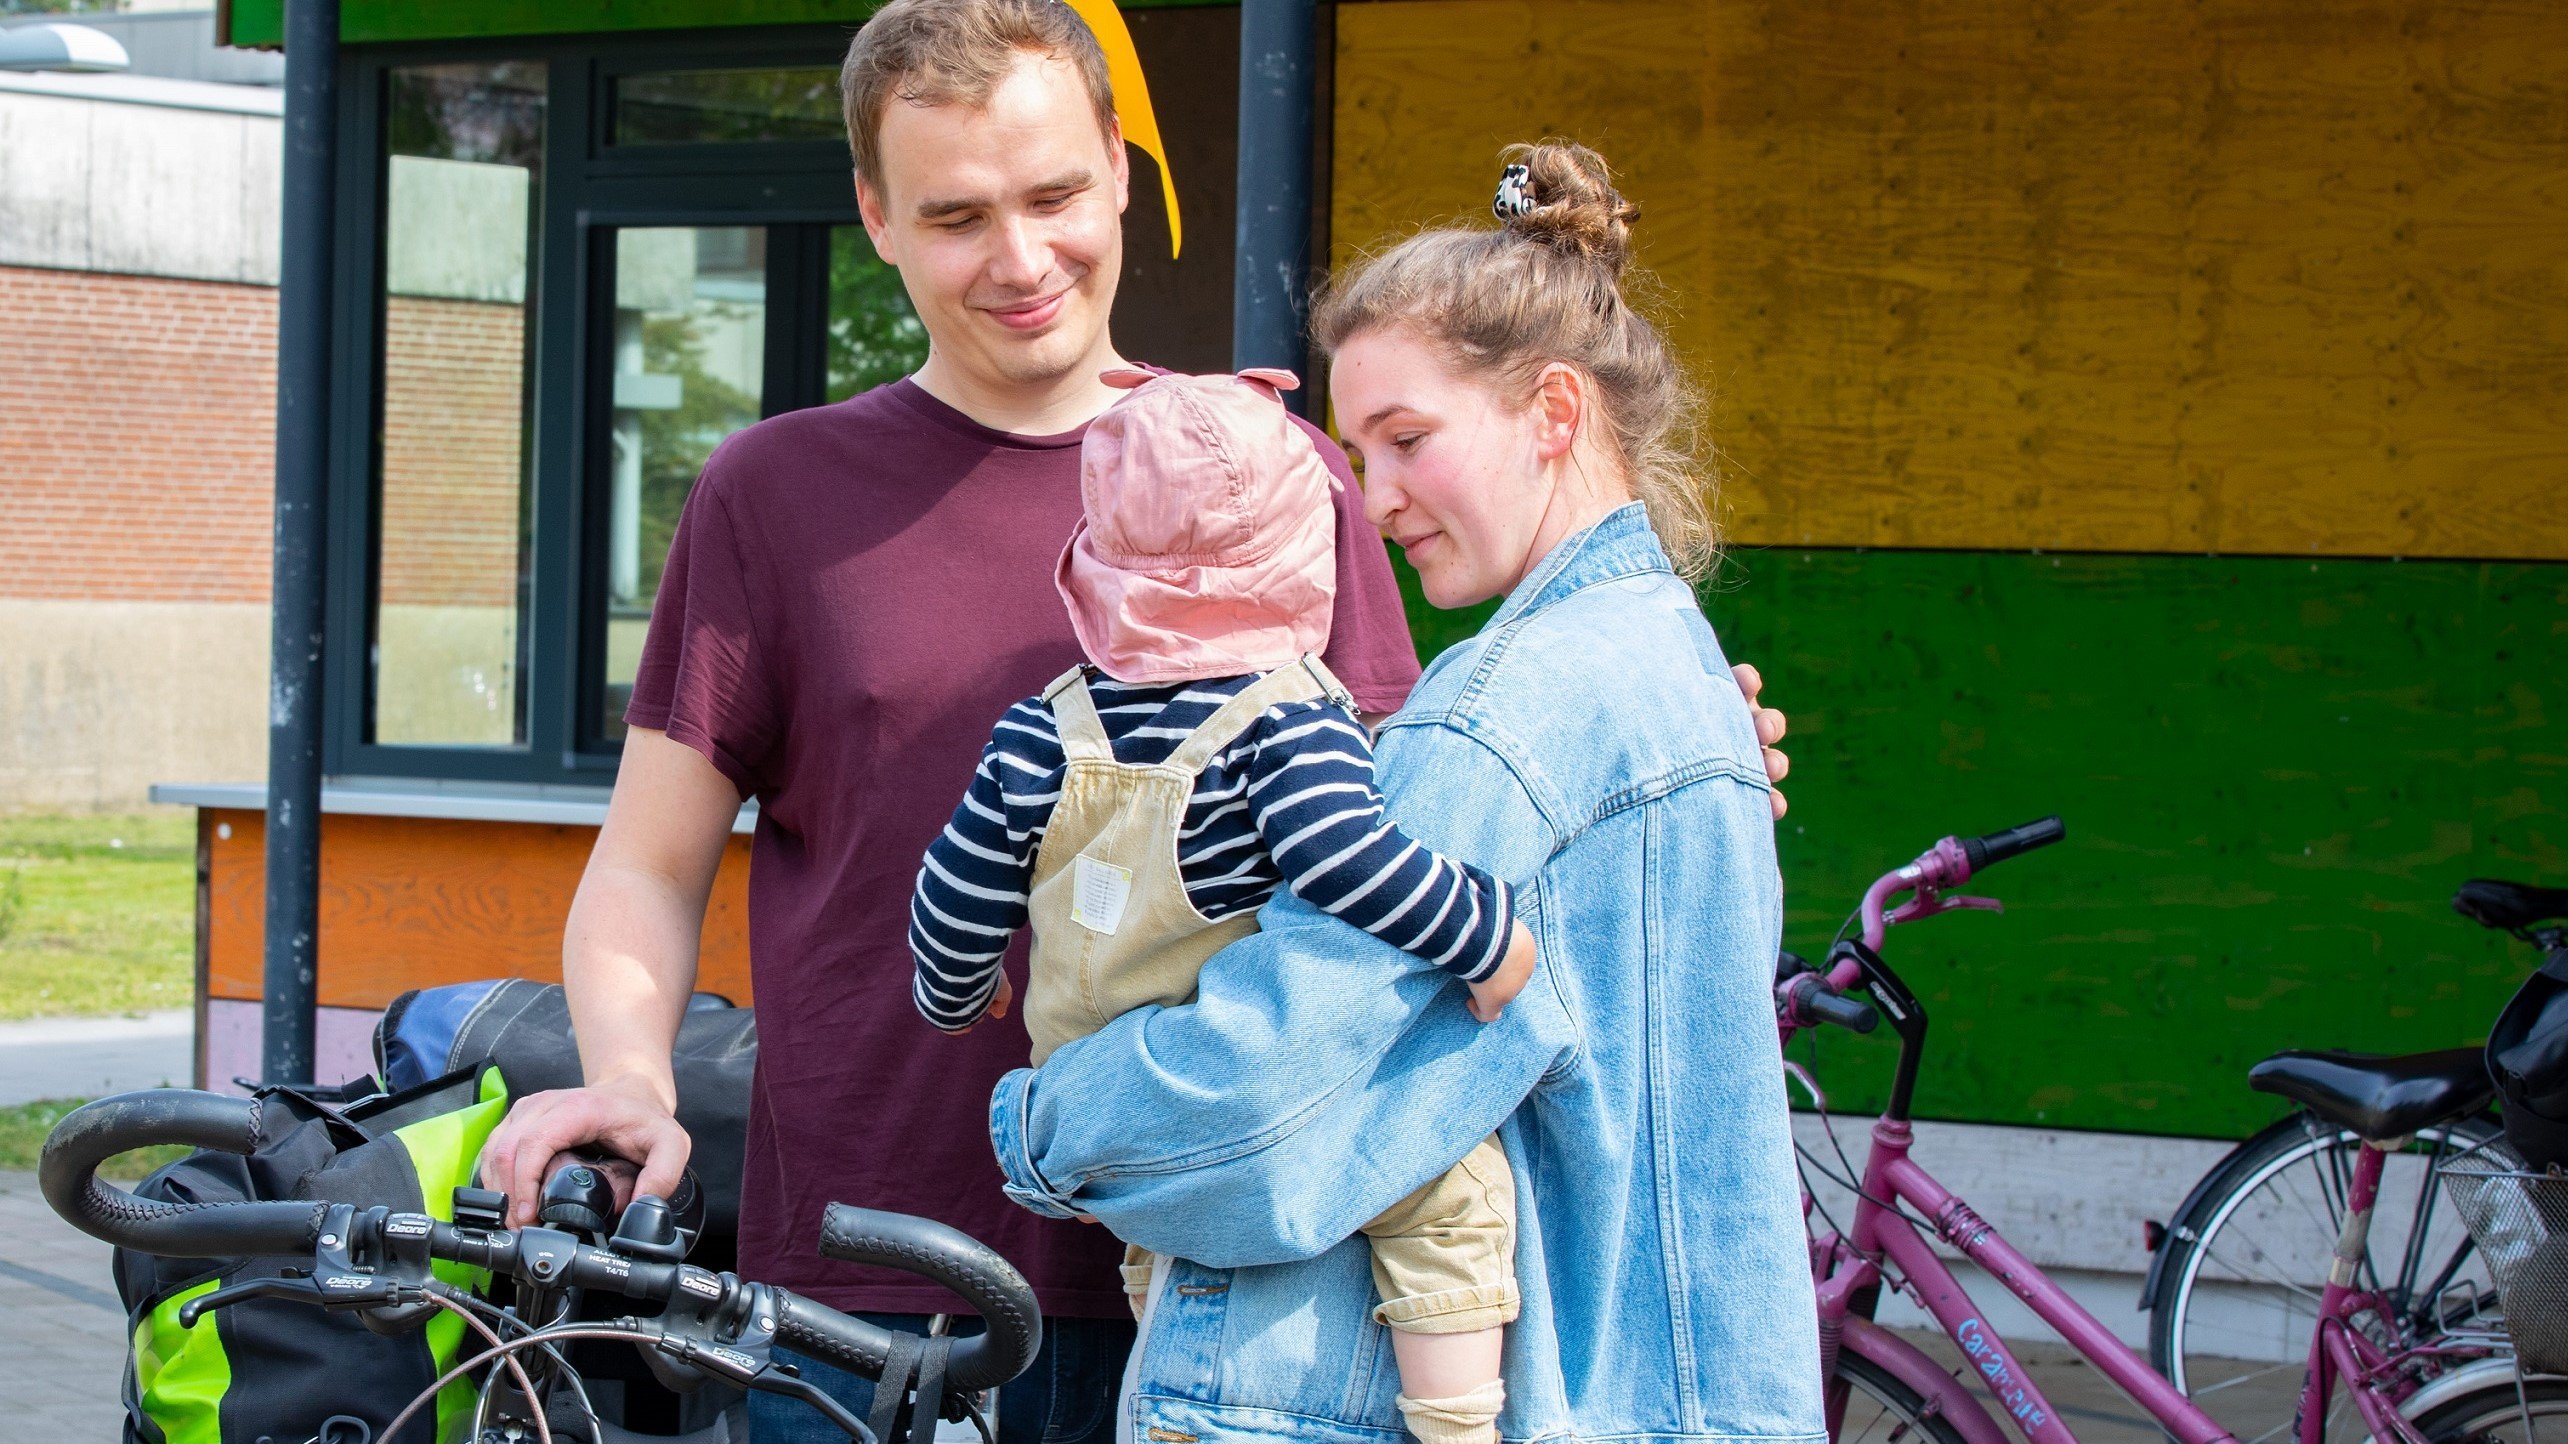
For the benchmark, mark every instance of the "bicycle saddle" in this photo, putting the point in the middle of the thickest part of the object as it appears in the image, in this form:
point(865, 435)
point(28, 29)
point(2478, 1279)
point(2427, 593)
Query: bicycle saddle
point(2379, 1098)
point(2509, 905)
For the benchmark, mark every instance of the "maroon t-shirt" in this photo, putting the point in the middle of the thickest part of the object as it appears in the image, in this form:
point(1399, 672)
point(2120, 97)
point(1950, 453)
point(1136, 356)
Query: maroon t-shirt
point(855, 593)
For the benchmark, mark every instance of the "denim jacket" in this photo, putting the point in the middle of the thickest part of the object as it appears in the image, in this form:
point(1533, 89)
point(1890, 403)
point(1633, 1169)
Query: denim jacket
point(1590, 747)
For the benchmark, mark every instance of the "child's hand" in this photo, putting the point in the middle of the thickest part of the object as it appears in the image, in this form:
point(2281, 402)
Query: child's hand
point(998, 1008)
point(1491, 995)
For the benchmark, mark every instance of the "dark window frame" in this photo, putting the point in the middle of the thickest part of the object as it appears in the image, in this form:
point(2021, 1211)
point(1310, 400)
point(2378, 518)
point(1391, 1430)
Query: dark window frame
point(587, 188)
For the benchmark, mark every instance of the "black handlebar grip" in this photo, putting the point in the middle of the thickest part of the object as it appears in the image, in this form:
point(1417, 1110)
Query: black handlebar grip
point(1853, 1014)
point(961, 1263)
point(825, 1333)
point(96, 1132)
point(1999, 846)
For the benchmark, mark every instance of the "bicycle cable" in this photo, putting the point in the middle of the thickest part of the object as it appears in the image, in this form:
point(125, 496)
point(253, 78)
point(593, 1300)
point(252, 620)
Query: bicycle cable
point(516, 1371)
point(505, 1319)
point(1850, 1180)
point(533, 1340)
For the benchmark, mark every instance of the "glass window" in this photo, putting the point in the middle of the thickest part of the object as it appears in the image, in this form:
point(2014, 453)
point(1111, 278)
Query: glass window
point(874, 336)
point(460, 216)
point(689, 369)
point(687, 107)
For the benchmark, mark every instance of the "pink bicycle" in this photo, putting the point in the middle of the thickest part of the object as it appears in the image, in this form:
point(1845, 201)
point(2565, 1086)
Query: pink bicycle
point(2445, 1388)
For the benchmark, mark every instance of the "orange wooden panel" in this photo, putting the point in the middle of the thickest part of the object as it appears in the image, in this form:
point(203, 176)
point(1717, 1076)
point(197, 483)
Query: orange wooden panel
point(409, 902)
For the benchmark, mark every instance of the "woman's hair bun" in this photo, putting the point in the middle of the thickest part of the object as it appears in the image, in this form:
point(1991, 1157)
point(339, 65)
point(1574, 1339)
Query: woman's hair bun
point(1573, 206)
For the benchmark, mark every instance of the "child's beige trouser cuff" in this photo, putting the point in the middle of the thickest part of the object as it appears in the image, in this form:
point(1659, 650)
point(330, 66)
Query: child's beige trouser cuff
point(1136, 1276)
point(1454, 1311)
point(1444, 1257)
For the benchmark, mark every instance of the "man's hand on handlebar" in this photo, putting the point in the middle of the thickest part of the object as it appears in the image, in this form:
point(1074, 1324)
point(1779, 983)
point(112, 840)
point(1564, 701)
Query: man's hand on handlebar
point(629, 1119)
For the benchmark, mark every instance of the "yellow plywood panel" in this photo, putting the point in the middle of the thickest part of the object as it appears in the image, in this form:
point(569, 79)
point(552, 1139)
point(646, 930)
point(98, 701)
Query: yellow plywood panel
point(2229, 276)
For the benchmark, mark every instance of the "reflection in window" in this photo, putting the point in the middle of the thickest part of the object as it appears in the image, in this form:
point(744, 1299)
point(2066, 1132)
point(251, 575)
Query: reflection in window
point(689, 366)
point(685, 107)
point(874, 336)
point(460, 183)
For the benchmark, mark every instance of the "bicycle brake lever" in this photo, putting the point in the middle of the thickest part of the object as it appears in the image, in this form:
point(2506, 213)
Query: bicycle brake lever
point(302, 1290)
point(1926, 902)
point(745, 1365)
point(773, 1380)
point(730, 1344)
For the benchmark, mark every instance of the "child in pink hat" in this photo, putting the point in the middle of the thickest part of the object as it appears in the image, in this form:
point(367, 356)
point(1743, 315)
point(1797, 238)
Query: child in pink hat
point(1138, 811)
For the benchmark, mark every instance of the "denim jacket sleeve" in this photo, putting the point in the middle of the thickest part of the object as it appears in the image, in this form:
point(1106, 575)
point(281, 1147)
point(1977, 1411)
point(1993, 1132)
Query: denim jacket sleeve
point(1320, 1075)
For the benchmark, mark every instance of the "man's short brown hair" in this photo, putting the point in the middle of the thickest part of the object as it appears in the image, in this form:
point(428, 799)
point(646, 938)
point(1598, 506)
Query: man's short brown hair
point(948, 52)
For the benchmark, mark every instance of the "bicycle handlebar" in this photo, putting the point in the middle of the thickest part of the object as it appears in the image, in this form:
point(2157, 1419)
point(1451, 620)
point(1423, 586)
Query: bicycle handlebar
point(96, 1132)
point(1852, 1014)
point(1999, 846)
point(1951, 862)
point(964, 1264)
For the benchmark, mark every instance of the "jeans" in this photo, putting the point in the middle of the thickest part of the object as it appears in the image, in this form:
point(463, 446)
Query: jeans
point(1066, 1396)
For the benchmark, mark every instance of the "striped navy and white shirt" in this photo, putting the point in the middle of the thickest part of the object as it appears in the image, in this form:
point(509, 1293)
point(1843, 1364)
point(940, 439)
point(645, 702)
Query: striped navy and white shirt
point(1290, 801)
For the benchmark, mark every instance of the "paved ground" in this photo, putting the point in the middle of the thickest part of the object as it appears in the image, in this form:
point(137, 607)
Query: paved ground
point(62, 1333)
point(90, 1057)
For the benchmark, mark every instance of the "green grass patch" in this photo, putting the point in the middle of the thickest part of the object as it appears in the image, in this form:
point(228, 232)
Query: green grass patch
point(97, 914)
point(22, 1138)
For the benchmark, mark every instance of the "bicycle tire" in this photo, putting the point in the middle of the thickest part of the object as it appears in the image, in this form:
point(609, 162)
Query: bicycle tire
point(2482, 1416)
point(1879, 1409)
point(2282, 1176)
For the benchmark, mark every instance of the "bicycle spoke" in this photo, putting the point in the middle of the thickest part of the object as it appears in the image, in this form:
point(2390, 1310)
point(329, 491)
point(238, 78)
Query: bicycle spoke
point(2334, 1223)
point(2428, 1187)
point(2200, 1394)
point(2270, 1433)
point(2335, 1173)
point(2275, 1279)
point(2451, 1270)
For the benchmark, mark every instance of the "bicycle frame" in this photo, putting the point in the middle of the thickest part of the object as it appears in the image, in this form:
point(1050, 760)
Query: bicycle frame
point(1881, 1233)
point(1900, 1201)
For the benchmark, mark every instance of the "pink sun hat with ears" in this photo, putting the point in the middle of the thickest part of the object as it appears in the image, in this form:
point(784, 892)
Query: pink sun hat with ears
point(1207, 545)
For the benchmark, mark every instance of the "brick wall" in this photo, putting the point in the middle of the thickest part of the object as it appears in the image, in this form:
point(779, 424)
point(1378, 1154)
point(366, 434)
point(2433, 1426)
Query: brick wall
point(454, 383)
point(137, 434)
point(137, 442)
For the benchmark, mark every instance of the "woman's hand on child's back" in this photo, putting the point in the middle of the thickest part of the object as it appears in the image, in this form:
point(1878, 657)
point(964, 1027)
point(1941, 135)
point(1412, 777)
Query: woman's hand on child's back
point(1491, 995)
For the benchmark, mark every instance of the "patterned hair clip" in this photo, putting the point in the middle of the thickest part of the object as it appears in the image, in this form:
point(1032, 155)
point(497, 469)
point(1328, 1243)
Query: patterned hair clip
point(1515, 193)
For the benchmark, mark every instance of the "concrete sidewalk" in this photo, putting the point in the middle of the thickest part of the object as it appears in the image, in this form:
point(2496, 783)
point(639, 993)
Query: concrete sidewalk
point(92, 1057)
point(62, 1332)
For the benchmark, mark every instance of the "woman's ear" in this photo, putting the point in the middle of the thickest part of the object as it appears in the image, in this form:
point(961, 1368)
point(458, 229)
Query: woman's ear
point(1560, 410)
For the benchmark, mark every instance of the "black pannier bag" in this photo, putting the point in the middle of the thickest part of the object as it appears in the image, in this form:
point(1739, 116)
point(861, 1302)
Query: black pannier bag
point(523, 1029)
point(279, 1369)
point(2528, 1061)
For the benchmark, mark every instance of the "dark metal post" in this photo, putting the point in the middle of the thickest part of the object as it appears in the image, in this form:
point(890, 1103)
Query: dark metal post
point(1278, 45)
point(302, 516)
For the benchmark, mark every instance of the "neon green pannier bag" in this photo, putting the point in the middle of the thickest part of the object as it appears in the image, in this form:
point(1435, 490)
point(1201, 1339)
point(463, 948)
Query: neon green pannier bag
point(276, 1368)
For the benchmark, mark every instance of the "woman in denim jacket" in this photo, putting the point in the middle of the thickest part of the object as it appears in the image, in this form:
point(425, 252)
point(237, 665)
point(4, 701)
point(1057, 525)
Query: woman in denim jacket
point(1589, 746)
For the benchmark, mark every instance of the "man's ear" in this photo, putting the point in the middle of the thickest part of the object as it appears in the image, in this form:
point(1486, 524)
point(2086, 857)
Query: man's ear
point(1119, 156)
point(869, 209)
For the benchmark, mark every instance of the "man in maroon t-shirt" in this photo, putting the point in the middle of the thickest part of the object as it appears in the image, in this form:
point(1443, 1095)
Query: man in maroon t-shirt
point(854, 594)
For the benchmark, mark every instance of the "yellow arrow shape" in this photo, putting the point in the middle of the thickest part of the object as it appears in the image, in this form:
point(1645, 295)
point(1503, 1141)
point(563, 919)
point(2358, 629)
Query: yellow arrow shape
point(1132, 98)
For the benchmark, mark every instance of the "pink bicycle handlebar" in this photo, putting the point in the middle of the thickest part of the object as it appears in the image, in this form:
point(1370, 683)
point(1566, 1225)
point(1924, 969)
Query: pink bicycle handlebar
point(1951, 862)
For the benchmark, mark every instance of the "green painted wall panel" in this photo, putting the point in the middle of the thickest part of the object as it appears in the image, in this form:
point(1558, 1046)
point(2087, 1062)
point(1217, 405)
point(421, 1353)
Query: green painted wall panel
point(2274, 774)
point(262, 22)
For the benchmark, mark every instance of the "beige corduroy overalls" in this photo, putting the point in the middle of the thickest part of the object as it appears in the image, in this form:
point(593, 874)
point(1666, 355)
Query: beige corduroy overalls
point(1114, 930)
